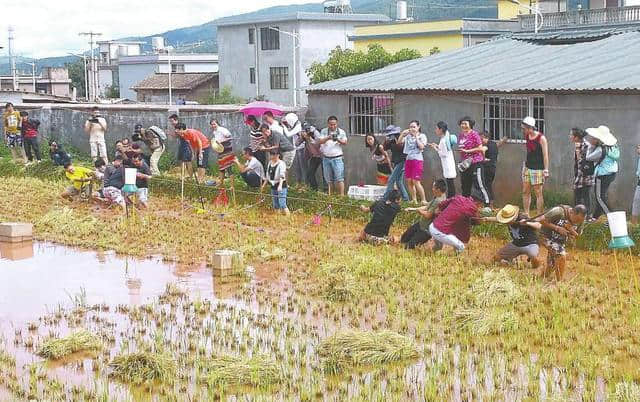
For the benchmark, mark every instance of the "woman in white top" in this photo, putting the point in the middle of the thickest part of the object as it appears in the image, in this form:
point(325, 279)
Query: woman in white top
point(447, 158)
point(276, 176)
point(414, 142)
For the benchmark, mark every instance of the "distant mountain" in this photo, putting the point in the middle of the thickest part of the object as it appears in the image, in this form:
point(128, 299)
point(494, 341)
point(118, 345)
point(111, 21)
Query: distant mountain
point(202, 38)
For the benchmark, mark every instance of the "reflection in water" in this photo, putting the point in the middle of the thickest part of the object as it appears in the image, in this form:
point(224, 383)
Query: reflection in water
point(16, 251)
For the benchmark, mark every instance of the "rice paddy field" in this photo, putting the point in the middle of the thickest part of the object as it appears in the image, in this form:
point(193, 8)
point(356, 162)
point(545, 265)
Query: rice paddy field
point(315, 316)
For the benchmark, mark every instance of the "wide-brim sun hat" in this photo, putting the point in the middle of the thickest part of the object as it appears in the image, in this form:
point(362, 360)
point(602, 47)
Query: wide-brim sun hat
point(291, 119)
point(529, 121)
point(392, 130)
point(603, 134)
point(508, 214)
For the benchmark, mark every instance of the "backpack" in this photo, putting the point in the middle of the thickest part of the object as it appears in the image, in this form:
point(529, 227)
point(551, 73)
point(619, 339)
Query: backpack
point(453, 141)
point(159, 133)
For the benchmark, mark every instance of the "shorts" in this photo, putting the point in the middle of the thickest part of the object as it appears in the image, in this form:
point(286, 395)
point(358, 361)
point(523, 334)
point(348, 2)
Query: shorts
point(98, 148)
point(333, 169)
point(113, 195)
point(73, 191)
point(555, 248)
point(288, 158)
point(413, 169)
point(511, 251)
point(279, 199)
point(375, 240)
point(204, 161)
point(533, 177)
point(14, 140)
point(143, 195)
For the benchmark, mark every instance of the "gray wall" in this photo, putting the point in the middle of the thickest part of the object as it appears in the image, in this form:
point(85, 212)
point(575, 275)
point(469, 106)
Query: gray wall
point(130, 75)
point(562, 112)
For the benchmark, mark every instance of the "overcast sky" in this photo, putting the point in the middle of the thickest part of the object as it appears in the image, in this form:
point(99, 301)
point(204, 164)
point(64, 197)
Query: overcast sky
point(46, 28)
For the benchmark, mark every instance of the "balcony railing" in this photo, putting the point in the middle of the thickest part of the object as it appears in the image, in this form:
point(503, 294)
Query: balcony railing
point(600, 16)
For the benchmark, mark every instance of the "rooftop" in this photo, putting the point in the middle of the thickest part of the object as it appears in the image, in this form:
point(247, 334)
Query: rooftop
point(157, 58)
point(302, 16)
point(509, 65)
point(187, 81)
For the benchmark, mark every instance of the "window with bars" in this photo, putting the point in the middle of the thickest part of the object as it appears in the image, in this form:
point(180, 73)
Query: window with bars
point(279, 77)
point(252, 75)
point(503, 115)
point(270, 38)
point(177, 68)
point(370, 114)
point(252, 36)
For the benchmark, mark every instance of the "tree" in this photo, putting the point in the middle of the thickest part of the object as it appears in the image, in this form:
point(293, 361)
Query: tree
point(76, 74)
point(346, 62)
point(434, 50)
point(112, 91)
point(224, 97)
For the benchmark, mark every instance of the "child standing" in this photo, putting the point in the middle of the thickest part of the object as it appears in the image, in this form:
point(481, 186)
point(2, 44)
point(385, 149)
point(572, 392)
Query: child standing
point(276, 176)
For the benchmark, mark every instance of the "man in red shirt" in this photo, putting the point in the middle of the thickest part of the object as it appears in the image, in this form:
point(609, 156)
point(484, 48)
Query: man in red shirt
point(200, 145)
point(452, 225)
point(30, 136)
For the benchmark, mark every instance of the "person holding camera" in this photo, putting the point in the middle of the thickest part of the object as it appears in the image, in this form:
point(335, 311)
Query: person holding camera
point(96, 127)
point(29, 129)
point(331, 140)
point(154, 138)
point(312, 153)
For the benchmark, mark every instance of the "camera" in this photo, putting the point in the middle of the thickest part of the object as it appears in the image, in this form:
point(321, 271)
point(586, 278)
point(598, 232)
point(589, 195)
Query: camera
point(334, 137)
point(95, 120)
point(136, 137)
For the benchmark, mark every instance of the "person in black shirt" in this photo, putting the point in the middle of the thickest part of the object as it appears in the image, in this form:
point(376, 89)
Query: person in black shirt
point(113, 182)
point(523, 235)
point(383, 213)
point(490, 161)
point(142, 180)
point(398, 158)
point(58, 154)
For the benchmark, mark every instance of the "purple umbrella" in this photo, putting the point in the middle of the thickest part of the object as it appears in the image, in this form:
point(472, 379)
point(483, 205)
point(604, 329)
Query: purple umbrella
point(258, 108)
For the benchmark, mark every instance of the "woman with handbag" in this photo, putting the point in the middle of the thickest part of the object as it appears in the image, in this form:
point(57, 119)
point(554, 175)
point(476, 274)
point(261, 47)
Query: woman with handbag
point(472, 165)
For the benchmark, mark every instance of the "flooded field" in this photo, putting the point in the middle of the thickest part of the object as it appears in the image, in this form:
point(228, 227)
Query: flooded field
point(311, 315)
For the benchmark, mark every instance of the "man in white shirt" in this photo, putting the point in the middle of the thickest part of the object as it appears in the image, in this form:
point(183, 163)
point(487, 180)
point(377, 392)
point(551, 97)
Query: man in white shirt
point(252, 171)
point(274, 126)
point(96, 126)
point(331, 140)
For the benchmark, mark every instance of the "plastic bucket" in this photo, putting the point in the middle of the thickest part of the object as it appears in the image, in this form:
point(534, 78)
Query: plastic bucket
point(130, 176)
point(618, 224)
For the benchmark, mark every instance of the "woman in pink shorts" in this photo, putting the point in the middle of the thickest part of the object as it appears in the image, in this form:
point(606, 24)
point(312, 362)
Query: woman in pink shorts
point(414, 142)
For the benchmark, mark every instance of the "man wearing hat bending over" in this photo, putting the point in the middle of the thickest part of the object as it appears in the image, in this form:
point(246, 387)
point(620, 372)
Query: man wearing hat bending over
point(154, 138)
point(524, 239)
point(536, 166)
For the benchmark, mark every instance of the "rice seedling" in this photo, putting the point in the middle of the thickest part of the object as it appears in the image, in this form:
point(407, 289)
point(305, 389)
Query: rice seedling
point(79, 341)
point(495, 288)
point(143, 367)
point(257, 371)
point(480, 321)
point(338, 283)
point(352, 348)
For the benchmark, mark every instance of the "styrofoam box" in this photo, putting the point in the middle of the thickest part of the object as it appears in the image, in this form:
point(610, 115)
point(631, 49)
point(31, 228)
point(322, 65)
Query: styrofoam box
point(367, 192)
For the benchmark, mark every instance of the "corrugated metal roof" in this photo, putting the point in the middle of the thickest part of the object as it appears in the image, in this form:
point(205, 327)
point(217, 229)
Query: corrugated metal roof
point(575, 35)
point(302, 16)
point(178, 81)
point(509, 65)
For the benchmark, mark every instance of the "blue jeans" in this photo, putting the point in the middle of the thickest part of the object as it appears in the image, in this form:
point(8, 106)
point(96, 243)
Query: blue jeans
point(397, 177)
point(333, 169)
point(279, 199)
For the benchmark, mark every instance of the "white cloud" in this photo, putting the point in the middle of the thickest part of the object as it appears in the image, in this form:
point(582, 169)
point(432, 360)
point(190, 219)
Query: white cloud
point(46, 28)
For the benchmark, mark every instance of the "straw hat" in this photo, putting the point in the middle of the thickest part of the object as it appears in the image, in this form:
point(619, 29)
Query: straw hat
point(603, 134)
point(216, 146)
point(508, 214)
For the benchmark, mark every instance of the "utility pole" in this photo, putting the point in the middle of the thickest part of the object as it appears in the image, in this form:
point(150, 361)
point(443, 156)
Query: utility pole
point(33, 74)
point(12, 59)
point(93, 93)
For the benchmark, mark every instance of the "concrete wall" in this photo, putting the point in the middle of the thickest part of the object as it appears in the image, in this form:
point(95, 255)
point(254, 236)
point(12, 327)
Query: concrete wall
point(131, 74)
point(562, 112)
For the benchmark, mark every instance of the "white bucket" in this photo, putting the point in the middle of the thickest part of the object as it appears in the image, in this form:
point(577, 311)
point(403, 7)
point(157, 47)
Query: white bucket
point(130, 176)
point(618, 224)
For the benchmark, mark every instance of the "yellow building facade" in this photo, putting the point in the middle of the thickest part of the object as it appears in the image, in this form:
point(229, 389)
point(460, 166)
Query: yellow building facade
point(444, 35)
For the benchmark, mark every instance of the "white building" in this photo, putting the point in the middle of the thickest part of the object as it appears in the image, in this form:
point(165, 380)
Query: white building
point(268, 56)
point(133, 69)
point(110, 52)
